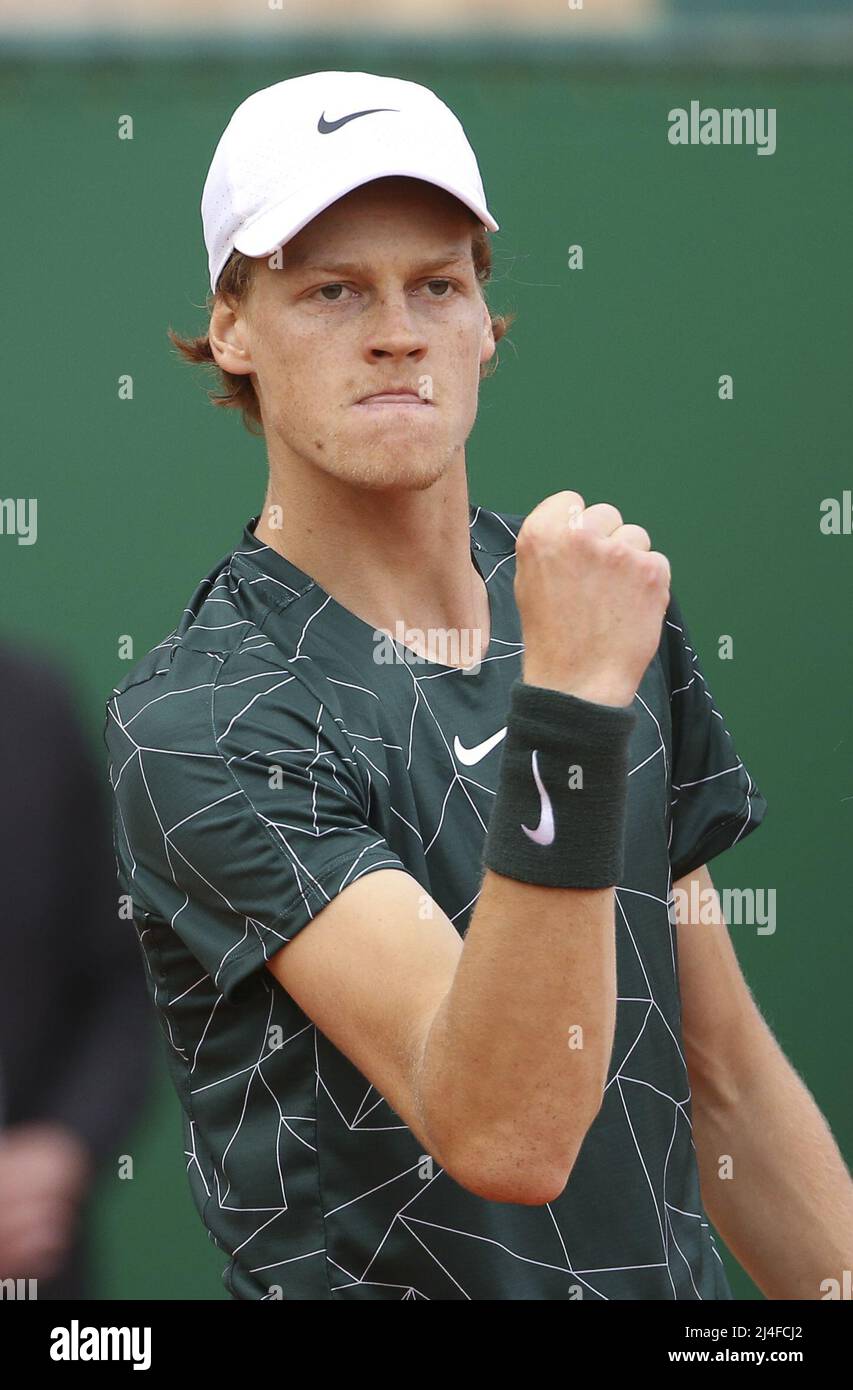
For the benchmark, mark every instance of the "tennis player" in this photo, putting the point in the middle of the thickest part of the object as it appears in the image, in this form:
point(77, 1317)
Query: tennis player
point(402, 801)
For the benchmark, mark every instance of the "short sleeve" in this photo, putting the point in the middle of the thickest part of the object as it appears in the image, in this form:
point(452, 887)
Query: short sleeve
point(715, 801)
point(241, 814)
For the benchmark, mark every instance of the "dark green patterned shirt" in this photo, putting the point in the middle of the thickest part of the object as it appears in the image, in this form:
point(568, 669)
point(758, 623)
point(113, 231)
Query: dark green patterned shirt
point(261, 760)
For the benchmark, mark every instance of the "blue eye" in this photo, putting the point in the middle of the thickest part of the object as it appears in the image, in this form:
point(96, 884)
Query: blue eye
point(339, 286)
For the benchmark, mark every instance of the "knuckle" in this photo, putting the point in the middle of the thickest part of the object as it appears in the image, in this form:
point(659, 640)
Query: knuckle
point(580, 539)
point(607, 509)
point(659, 569)
point(619, 552)
point(574, 499)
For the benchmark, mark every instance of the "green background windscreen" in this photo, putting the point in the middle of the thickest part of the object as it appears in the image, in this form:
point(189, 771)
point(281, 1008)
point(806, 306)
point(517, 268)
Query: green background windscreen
point(697, 262)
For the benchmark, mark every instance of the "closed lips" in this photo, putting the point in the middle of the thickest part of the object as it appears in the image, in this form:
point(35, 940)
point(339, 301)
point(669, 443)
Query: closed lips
point(403, 397)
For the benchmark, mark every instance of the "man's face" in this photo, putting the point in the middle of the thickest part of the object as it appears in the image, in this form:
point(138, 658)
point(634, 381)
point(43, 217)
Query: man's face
point(376, 293)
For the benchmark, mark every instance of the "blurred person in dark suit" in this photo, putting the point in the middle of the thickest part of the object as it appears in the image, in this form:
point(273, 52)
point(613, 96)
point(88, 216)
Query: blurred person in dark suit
point(76, 1039)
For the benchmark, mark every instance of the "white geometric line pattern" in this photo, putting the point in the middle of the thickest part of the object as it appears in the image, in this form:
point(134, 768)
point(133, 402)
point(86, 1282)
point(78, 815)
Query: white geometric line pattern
point(271, 761)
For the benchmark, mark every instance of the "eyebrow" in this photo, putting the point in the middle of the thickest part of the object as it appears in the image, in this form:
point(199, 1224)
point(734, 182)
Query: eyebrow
point(361, 267)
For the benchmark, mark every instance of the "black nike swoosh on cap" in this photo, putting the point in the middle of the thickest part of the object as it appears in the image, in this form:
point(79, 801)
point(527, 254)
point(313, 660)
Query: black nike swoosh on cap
point(325, 127)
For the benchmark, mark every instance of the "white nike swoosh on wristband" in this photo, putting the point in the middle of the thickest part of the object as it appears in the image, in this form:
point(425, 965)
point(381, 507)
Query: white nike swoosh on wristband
point(470, 756)
point(544, 832)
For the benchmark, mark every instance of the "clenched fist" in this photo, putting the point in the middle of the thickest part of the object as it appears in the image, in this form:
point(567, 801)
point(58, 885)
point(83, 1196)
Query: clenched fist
point(592, 596)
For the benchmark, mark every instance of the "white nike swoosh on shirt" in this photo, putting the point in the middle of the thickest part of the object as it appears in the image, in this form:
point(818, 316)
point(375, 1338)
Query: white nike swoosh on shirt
point(470, 756)
point(544, 832)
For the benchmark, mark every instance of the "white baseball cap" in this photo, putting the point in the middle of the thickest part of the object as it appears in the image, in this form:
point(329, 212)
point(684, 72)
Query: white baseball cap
point(292, 149)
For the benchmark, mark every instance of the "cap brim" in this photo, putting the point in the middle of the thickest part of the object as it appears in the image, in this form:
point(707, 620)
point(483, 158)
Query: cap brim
point(278, 224)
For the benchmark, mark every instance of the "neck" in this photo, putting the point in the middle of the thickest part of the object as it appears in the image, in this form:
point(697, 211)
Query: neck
point(391, 556)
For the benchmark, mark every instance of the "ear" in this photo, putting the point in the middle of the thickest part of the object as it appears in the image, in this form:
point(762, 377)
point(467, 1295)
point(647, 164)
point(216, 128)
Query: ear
point(229, 338)
point(487, 346)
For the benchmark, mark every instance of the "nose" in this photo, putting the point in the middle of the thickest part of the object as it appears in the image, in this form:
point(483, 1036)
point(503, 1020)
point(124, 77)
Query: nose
point(393, 330)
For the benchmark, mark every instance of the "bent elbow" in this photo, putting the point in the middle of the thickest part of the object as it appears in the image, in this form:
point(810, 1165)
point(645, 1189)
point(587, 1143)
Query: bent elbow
point(524, 1183)
point(527, 1189)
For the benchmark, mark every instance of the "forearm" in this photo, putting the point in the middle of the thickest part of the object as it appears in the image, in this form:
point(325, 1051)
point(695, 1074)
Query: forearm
point(516, 1059)
point(786, 1211)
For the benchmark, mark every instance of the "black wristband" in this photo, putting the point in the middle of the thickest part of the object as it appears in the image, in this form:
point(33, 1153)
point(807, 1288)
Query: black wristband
point(563, 776)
